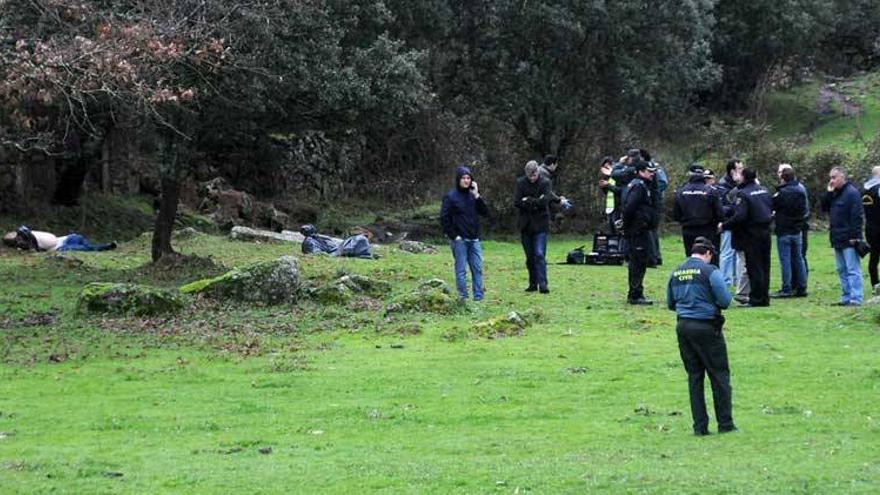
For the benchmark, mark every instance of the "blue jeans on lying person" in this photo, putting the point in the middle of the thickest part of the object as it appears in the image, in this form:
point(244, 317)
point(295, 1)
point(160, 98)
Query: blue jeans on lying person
point(76, 242)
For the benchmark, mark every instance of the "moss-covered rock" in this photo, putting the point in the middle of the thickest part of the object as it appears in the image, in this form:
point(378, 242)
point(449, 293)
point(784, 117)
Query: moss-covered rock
point(268, 282)
point(432, 296)
point(435, 284)
point(333, 293)
point(128, 299)
point(344, 288)
point(509, 325)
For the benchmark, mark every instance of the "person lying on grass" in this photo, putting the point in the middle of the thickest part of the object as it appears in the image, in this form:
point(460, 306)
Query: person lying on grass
point(38, 240)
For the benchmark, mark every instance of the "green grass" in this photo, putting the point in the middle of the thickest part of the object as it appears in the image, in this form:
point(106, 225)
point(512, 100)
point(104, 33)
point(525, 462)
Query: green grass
point(592, 399)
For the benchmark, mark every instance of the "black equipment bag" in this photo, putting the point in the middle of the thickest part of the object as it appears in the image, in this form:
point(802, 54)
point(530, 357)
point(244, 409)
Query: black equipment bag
point(607, 250)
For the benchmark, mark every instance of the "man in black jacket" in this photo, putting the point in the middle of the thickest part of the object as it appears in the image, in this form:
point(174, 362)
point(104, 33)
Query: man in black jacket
point(727, 256)
point(639, 219)
point(871, 205)
point(845, 218)
point(460, 219)
point(750, 223)
point(532, 199)
point(790, 211)
point(698, 210)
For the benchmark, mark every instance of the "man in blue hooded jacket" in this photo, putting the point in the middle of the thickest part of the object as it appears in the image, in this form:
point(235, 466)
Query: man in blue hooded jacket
point(460, 219)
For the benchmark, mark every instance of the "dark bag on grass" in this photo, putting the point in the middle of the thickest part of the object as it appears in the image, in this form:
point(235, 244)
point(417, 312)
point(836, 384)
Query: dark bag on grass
point(356, 246)
point(576, 256)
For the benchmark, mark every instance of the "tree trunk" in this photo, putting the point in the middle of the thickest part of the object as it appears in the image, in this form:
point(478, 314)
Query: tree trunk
point(170, 183)
point(164, 224)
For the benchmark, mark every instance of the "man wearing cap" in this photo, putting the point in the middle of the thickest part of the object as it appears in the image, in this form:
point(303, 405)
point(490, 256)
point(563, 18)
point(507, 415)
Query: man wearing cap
point(639, 218)
point(698, 210)
point(753, 212)
point(532, 199)
point(697, 293)
point(460, 219)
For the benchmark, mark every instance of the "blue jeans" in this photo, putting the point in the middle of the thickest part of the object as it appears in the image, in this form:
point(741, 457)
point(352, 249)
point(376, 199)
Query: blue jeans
point(468, 252)
point(791, 261)
point(849, 270)
point(535, 247)
point(76, 242)
point(728, 258)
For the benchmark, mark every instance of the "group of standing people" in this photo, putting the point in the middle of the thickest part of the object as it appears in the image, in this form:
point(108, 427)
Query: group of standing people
point(738, 212)
point(726, 232)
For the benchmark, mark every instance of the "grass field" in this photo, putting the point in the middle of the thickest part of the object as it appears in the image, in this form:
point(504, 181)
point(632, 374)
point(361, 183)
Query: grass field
point(308, 399)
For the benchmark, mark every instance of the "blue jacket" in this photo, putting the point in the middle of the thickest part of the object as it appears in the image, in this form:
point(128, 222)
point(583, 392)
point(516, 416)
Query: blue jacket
point(697, 290)
point(844, 207)
point(460, 212)
point(790, 207)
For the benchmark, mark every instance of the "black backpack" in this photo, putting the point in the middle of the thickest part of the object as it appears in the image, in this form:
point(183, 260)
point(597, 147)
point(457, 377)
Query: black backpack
point(576, 256)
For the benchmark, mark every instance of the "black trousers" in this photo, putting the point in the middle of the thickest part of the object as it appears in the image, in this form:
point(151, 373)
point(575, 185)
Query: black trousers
point(640, 254)
point(703, 351)
point(873, 239)
point(757, 251)
point(689, 234)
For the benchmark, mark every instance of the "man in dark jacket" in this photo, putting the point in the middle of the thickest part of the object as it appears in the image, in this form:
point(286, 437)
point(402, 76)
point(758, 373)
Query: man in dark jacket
point(460, 219)
point(532, 199)
point(753, 212)
point(697, 293)
point(871, 205)
point(639, 217)
point(790, 211)
point(843, 203)
point(698, 210)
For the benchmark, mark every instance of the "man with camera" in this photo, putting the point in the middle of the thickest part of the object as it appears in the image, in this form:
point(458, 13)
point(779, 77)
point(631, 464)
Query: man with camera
point(843, 203)
point(639, 218)
point(697, 293)
point(532, 199)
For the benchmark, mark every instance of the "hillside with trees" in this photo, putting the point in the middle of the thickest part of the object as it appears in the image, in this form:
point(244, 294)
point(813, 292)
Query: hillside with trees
point(303, 102)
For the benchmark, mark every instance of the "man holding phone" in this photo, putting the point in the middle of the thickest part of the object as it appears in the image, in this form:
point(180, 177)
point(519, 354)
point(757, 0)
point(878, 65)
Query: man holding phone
point(843, 203)
point(460, 219)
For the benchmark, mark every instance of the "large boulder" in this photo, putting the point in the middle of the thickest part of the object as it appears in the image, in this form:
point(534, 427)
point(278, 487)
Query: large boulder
point(128, 299)
point(268, 282)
